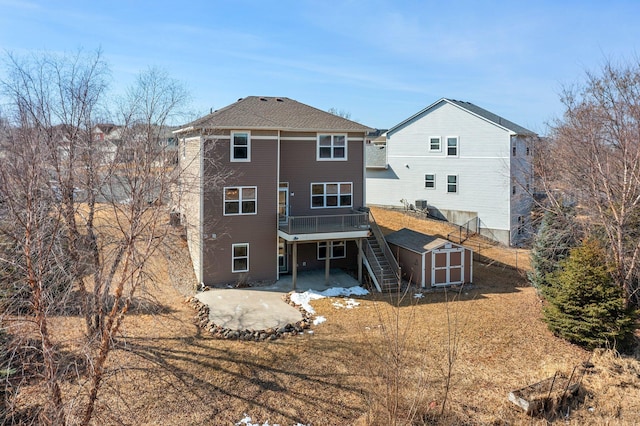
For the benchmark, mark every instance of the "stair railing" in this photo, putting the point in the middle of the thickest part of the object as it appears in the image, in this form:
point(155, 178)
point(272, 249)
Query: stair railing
point(382, 242)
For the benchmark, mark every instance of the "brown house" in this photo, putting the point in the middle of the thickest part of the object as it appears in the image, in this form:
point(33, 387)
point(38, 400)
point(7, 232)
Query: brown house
point(272, 186)
point(431, 261)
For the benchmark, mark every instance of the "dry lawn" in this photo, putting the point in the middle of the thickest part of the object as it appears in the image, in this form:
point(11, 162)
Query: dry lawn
point(166, 371)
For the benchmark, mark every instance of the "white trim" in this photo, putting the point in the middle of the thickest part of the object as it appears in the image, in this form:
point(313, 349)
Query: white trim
point(457, 138)
point(457, 185)
point(439, 144)
point(330, 247)
point(324, 195)
point(424, 271)
point(332, 147)
point(434, 181)
point(233, 257)
point(277, 201)
point(201, 142)
point(231, 147)
point(315, 138)
point(324, 236)
point(449, 248)
point(240, 191)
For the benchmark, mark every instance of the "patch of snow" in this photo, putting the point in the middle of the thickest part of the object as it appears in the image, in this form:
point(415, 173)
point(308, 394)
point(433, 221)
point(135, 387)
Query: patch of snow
point(248, 422)
point(348, 304)
point(319, 320)
point(303, 299)
point(418, 296)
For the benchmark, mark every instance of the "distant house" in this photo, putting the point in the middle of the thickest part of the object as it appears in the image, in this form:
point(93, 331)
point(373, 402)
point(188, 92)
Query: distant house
point(461, 163)
point(271, 186)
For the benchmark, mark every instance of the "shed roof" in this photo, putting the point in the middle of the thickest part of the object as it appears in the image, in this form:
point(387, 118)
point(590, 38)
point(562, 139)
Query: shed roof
point(416, 241)
point(262, 112)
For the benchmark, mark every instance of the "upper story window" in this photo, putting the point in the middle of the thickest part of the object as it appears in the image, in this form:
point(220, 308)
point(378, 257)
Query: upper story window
point(430, 181)
point(240, 200)
point(452, 184)
point(452, 146)
point(434, 143)
point(513, 149)
point(240, 146)
point(331, 147)
point(338, 194)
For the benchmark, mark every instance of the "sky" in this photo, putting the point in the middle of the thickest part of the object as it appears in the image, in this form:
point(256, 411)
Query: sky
point(379, 60)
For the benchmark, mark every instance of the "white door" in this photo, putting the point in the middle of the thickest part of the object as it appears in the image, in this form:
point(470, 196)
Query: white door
point(283, 202)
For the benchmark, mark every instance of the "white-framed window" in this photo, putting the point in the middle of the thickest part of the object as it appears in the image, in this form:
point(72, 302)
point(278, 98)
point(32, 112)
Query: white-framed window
point(452, 146)
point(337, 250)
point(452, 184)
point(240, 146)
point(430, 181)
point(240, 257)
point(331, 195)
point(239, 200)
point(331, 147)
point(434, 143)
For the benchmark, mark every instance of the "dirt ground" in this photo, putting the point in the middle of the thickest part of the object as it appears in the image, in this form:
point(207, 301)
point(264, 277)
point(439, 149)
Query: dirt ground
point(487, 340)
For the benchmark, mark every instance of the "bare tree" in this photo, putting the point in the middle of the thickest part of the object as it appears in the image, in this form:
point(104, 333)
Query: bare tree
point(82, 221)
point(594, 160)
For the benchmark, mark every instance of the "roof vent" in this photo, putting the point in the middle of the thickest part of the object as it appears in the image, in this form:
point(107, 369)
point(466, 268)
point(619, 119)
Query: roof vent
point(263, 99)
point(279, 100)
point(239, 99)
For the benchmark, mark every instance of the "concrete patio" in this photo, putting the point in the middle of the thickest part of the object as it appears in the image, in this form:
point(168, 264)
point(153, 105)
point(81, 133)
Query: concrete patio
point(261, 308)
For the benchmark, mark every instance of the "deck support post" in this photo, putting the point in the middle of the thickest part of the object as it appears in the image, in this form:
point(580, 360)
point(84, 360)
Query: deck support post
point(359, 244)
point(294, 274)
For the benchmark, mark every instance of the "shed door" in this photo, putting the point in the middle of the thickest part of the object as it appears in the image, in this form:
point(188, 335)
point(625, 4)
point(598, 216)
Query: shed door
point(447, 266)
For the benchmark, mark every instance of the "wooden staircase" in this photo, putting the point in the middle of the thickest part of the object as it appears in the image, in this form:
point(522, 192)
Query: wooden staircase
point(379, 261)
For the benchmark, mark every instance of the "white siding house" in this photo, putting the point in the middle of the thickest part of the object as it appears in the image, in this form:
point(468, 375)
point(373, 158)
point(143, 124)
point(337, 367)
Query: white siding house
point(471, 166)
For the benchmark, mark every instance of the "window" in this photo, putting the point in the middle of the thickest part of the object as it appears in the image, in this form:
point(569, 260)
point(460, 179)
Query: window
point(337, 250)
point(430, 181)
point(240, 257)
point(513, 190)
point(528, 151)
point(452, 183)
point(331, 195)
point(240, 146)
point(513, 150)
point(452, 146)
point(434, 143)
point(332, 147)
point(240, 200)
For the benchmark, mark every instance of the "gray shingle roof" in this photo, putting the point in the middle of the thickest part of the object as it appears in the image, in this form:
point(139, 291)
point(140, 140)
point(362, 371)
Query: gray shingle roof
point(474, 109)
point(415, 241)
point(492, 117)
point(262, 112)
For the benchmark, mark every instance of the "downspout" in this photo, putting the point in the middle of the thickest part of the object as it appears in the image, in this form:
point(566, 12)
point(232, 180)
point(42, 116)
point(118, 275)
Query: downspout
point(277, 206)
point(201, 231)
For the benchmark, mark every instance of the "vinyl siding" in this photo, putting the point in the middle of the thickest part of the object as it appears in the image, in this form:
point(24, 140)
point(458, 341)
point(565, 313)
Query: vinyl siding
point(299, 167)
point(483, 166)
point(189, 197)
point(260, 229)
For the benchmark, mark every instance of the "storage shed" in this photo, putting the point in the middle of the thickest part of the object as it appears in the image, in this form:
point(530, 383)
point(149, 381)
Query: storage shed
point(431, 261)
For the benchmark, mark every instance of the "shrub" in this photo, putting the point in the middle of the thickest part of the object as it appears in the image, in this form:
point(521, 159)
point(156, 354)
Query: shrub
point(584, 305)
point(554, 239)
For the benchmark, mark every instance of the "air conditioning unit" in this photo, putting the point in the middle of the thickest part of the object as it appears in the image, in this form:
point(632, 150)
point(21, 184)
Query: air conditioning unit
point(421, 204)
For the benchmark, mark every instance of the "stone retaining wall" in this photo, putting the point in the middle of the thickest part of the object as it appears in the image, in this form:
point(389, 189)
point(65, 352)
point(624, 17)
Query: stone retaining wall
point(202, 320)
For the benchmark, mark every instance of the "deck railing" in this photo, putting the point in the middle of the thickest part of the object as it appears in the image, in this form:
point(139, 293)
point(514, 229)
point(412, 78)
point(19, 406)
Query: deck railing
point(329, 223)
